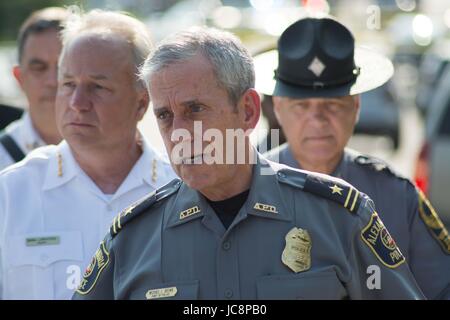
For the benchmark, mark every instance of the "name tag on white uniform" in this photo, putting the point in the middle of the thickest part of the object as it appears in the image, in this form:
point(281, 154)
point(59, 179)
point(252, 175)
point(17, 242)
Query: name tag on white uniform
point(42, 241)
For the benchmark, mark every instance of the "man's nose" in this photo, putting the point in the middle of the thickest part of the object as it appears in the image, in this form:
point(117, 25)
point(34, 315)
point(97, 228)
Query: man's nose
point(186, 131)
point(51, 78)
point(318, 111)
point(180, 124)
point(79, 100)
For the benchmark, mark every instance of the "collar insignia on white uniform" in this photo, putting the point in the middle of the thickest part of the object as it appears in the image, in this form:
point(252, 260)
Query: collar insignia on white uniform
point(265, 207)
point(297, 253)
point(154, 171)
point(377, 237)
point(60, 167)
point(189, 212)
point(433, 222)
point(94, 269)
point(161, 293)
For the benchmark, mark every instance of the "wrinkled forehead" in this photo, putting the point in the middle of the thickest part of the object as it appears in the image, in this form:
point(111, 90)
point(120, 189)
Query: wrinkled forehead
point(183, 79)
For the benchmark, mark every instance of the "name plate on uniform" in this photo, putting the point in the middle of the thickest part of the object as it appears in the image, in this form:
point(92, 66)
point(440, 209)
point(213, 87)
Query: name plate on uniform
point(161, 293)
point(42, 241)
point(189, 212)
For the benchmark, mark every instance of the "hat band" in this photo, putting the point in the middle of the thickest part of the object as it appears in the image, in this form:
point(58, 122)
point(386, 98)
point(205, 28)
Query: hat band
point(320, 84)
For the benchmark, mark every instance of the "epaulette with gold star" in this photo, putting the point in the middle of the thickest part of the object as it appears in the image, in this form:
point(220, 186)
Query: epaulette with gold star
point(322, 186)
point(143, 205)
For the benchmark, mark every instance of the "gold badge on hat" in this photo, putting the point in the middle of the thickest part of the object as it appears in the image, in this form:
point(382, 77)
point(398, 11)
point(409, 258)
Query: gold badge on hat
point(297, 253)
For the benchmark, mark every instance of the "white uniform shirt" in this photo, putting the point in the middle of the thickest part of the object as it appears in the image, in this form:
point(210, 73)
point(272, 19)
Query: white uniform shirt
point(51, 225)
point(24, 135)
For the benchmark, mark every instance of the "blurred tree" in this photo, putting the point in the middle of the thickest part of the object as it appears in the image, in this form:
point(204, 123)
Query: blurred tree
point(14, 13)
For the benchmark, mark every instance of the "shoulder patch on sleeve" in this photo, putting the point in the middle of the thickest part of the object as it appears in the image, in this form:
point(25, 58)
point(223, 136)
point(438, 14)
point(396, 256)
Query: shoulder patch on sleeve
point(323, 186)
point(98, 263)
point(433, 222)
point(380, 242)
point(142, 205)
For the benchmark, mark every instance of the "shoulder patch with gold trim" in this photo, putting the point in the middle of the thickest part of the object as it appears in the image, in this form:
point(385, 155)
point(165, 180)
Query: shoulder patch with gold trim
point(323, 186)
point(143, 205)
point(433, 222)
point(426, 210)
point(380, 242)
point(98, 263)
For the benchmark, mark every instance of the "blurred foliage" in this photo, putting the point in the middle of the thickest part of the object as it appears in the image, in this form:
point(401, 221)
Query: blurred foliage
point(14, 13)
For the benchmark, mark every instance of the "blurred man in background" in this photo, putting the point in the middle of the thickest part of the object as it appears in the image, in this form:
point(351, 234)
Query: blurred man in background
point(39, 47)
point(56, 205)
point(316, 91)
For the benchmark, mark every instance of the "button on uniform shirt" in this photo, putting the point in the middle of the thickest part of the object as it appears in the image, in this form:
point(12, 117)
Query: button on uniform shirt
point(292, 239)
point(24, 135)
point(406, 212)
point(53, 216)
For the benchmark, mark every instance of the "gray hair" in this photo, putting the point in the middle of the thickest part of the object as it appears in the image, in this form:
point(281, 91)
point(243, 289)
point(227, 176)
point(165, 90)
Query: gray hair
point(232, 63)
point(105, 23)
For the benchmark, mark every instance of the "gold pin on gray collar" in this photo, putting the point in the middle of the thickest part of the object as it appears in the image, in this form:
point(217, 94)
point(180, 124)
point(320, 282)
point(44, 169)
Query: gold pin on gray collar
point(265, 207)
point(189, 212)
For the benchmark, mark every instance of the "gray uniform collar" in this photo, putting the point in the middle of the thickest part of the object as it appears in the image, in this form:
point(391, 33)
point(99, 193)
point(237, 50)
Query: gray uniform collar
point(264, 200)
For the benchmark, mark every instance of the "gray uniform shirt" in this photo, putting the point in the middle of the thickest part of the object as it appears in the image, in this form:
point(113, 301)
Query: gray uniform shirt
point(406, 212)
point(298, 236)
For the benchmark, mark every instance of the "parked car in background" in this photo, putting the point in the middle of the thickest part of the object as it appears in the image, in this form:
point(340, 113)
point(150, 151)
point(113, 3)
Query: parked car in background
point(431, 69)
point(379, 115)
point(432, 172)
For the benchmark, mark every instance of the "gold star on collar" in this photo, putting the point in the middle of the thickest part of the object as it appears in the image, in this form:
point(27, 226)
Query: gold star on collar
point(336, 189)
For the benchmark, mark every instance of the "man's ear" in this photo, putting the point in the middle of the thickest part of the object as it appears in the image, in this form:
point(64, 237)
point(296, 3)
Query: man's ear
point(17, 73)
point(252, 108)
point(143, 103)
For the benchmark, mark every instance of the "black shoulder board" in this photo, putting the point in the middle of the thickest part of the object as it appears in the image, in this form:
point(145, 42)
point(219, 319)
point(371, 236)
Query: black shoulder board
point(142, 205)
point(323, 186)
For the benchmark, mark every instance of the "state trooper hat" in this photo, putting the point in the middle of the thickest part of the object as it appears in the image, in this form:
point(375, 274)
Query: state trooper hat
point(316, 57)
